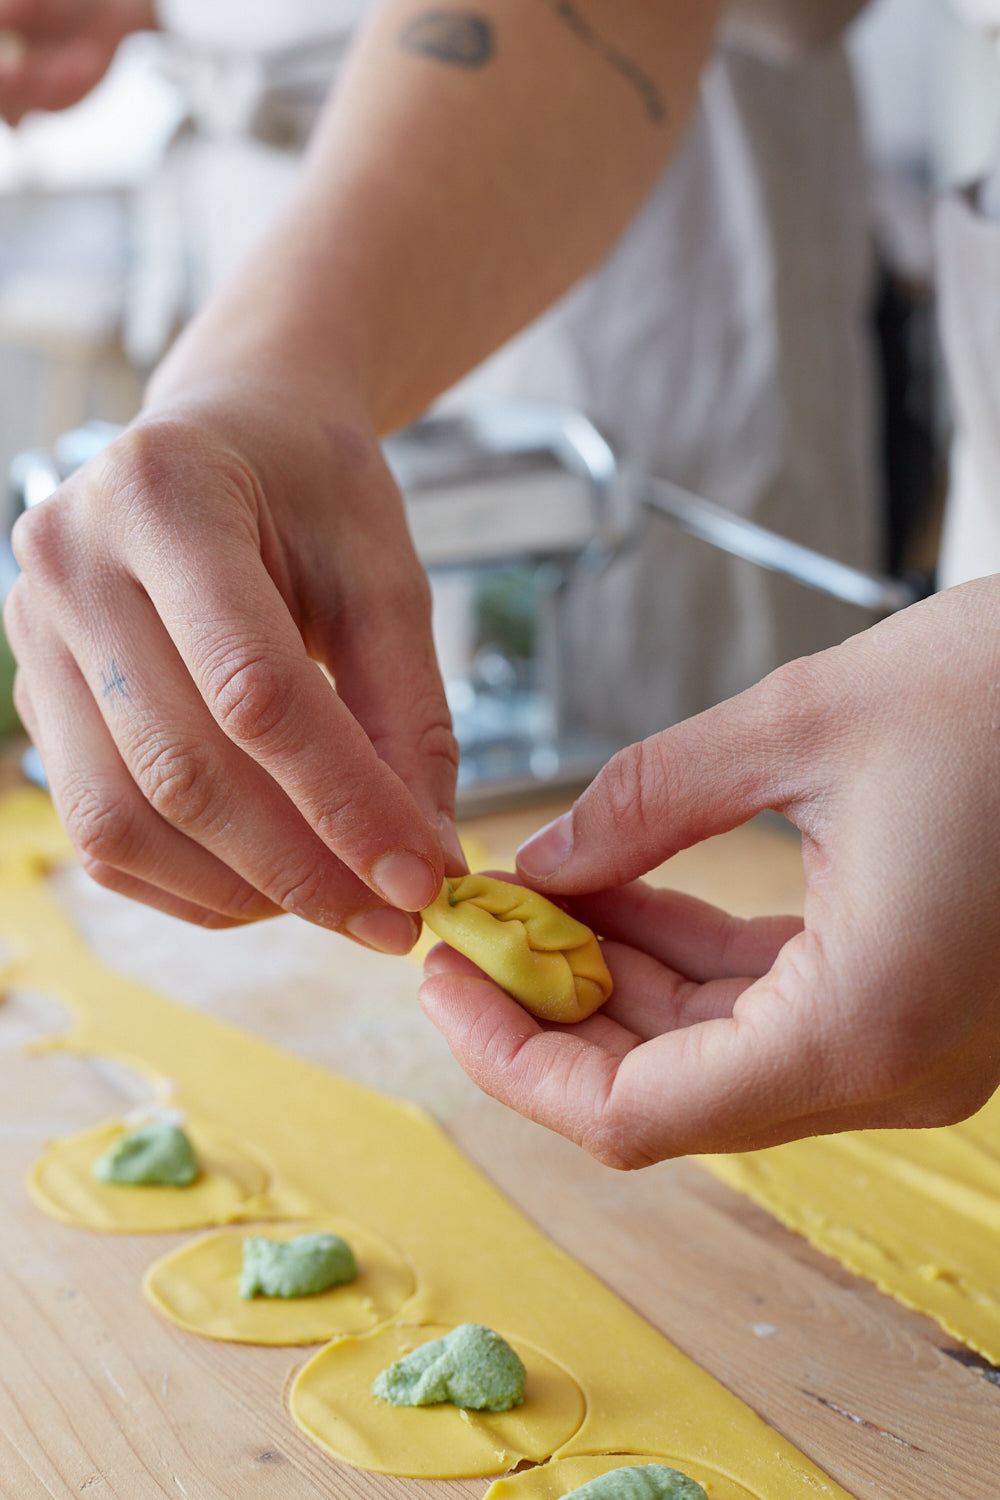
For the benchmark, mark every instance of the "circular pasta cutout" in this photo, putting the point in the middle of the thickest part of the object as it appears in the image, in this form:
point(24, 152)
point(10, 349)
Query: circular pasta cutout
point(197, 1287)
point(62, 1183)
point(564, 1475)
point(331, 1400)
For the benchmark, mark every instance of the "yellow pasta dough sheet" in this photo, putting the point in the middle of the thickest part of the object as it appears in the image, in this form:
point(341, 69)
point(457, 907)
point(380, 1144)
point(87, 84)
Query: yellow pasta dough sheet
point(915, 1211)
point(286, 1146)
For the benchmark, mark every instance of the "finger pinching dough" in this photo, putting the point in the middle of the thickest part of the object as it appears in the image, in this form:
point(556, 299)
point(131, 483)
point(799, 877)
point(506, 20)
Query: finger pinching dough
point(534, 950)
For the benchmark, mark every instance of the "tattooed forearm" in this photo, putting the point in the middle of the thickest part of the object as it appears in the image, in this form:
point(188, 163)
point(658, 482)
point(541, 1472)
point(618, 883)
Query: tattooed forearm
point(452, 36)
point(570, 14)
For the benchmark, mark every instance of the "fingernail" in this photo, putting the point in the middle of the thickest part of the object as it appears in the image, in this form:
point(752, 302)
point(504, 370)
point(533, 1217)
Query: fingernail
point(405, 880)
point(384, 928)
point(546, 850)
point(450, 842)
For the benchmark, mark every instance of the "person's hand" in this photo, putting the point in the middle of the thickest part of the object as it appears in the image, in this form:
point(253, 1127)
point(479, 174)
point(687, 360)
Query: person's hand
point(177, 596)
point(882, 1008)
point(53, 52)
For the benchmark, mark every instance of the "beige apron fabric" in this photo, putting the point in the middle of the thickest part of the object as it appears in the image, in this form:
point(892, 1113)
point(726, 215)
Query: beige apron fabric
point(726, 345)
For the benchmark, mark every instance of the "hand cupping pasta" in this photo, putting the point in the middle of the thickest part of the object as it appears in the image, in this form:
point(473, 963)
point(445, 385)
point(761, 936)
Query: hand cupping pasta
point(551, 963)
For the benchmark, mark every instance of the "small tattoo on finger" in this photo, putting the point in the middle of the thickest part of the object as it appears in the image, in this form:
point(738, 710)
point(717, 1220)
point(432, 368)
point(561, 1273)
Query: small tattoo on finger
point(113, 684)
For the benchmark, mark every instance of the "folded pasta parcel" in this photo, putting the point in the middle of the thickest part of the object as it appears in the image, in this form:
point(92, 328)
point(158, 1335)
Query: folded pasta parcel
point(545, 958)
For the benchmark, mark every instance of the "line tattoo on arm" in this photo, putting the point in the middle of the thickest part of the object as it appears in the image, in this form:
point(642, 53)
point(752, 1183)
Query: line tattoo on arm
point(571, 15)
point(460, 38)
point(464, 39)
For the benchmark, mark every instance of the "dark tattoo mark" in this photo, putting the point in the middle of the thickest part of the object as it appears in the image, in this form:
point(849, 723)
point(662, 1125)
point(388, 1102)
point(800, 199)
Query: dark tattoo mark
point(457, 37)
point(114, 686)
point(568, 12)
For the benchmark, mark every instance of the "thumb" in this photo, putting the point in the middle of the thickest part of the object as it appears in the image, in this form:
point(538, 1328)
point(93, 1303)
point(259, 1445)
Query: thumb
point(698, 778)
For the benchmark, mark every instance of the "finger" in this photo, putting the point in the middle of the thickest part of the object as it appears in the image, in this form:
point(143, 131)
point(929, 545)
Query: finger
point(646, 1000)
point(272, 702)
point(111, 825)
point(698, 940)
point(383, 616)
point(34, 75)
point(762, 749)
point(241, 648)
point(725, 1083)
point(548, 1074)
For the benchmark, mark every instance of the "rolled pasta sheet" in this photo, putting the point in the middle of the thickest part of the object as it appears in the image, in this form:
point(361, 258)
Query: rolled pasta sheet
point(545, 958)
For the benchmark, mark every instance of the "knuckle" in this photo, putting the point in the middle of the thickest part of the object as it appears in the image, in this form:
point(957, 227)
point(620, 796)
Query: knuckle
point(22, 701)
point(636, 786)
point(431, 741)
point(176, 781)
point(794, 694)
point(251, 697)
point(38, 541)
point(106, 876)
point(610, 1142)
point(350, 805)
point(15, 611)
point(304, 892)
point(150, 472)
point(102, 827)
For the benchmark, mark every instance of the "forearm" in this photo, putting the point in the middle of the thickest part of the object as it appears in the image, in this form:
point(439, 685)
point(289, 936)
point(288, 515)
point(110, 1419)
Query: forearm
point(463, 177)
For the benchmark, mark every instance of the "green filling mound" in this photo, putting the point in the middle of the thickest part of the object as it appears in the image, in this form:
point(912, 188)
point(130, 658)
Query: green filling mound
point(472, 1367)
point(158, 1155)
point(644, 1482)
point(301, 1267)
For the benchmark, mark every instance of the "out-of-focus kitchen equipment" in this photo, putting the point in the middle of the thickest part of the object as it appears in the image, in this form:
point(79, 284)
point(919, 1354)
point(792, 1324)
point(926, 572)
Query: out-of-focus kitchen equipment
point(533, 492)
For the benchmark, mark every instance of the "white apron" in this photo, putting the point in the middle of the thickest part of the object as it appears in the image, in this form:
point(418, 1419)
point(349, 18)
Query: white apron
point(968, 250)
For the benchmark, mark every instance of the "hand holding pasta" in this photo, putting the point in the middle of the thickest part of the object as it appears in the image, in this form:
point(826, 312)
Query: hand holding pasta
point(551, 963)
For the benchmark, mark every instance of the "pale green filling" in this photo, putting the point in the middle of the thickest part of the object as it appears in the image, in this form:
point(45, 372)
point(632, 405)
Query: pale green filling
point(300, 1267)
point(472, 1367)
point(643, 1482)
point(158, 1155)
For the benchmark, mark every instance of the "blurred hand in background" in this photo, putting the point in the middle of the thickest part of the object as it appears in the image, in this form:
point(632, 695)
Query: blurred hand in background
point(53, 52)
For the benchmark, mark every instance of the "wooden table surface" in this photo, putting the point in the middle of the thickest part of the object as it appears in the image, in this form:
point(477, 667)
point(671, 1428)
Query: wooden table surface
point(101, 1398)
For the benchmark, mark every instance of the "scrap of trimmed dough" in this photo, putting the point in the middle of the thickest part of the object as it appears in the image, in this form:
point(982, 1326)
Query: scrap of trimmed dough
point(299, 1267)
point(641, 1482)
point(472, 1367)
point(156, 1155)
point(551, 963)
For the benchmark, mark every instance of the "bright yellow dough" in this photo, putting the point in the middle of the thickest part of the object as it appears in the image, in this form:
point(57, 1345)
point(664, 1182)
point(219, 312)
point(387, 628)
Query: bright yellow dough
point(332, 1400)
point(545, 958)
point(604, 1380)
point(198, 1287)
point(915, 1211)
point(230, 1182)
point(564, 1475)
